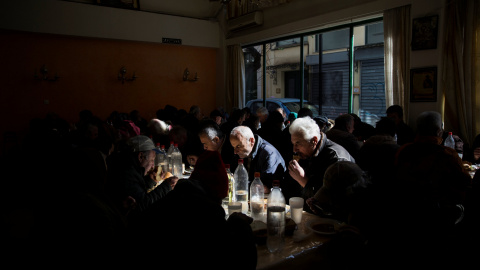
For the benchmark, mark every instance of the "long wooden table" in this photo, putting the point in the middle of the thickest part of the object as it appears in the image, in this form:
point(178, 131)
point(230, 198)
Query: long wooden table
point(302, 250)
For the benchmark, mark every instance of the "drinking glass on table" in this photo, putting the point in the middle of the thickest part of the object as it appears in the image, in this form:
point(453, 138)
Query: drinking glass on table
point(296, 208)
point(234, 207)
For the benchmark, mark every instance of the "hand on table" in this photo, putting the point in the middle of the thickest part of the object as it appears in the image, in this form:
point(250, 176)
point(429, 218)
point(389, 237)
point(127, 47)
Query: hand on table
point(129, 203)
point(172, 181)
point(314, 205)
point(311, 202)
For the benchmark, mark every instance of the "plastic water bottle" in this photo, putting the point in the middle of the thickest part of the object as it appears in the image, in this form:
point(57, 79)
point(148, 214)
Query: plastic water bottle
point(449, 141)
point(177, 166)
point(231, 189)
point(275, 218)
point(160, 157)
point(241, 185)
point(231, 184)
point(257, 197)
point(169, 156)
point(163, 158)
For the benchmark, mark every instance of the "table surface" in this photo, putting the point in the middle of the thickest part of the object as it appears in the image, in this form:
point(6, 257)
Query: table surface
point(301, 249)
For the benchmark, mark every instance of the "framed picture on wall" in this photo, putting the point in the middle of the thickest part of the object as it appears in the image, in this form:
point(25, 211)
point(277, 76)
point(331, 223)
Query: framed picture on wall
point(424, 33)
point(128, 4)
point(423, 84)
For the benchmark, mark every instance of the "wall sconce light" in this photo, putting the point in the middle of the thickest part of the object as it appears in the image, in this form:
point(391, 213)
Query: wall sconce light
point(44, 76)
point(121, 76)
point(186, 73)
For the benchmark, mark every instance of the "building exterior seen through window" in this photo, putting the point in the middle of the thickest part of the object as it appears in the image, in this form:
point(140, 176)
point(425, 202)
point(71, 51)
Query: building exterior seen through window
point(342, 68)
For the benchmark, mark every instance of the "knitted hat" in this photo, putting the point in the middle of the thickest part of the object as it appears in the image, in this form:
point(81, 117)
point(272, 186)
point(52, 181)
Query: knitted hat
point(141, 143)
point(210, 172)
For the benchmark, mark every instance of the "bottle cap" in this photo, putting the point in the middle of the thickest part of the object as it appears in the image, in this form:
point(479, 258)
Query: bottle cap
point(450, 133)
point(157, 144)
point(176, 145)
point(276, 183)
point(227, 166)
point(240, 161)
point(257, 174)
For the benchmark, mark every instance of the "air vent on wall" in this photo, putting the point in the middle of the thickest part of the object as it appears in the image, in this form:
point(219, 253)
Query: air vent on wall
point(246, 21)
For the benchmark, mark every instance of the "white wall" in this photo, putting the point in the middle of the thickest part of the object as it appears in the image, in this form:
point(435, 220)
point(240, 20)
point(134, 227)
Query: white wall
point(427, 58)
point(77, 19)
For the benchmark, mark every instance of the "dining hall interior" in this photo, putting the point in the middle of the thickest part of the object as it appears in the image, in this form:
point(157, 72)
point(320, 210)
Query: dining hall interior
point(86, 45)
point(61, 57)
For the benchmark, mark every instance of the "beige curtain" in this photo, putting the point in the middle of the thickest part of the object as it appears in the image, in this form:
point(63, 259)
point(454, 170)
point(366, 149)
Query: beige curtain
point(460, 74)
point(396, 29)
point(235, 78)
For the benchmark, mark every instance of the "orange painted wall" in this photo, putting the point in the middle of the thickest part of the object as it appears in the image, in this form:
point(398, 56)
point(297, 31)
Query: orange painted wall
point(88, 70)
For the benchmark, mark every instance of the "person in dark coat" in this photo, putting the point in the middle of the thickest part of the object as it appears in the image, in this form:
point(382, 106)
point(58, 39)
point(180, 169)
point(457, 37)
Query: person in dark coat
point(271, 129)
point(315, 153)
point(426, 206)
point(405, 133)
point(342, 133)
point(260, 155)
point(188, 227)
point(212, 138)
point(131, 175)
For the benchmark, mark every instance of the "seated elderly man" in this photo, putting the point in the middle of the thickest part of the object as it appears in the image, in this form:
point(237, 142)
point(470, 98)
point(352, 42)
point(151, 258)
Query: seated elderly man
point(430, 187)
point(342, 133)
point(189, 227)
point(345, 197)
point(261, 156)
point(158, 130)
point(314, 153)
point(213, 139)
point(132, 175)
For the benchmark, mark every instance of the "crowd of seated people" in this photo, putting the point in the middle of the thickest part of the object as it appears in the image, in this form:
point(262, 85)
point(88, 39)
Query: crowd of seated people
point(92, 190)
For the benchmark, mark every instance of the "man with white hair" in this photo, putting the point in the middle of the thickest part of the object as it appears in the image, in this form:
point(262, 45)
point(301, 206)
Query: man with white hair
point(158, 130)
point(314, 153)
point(262, 156)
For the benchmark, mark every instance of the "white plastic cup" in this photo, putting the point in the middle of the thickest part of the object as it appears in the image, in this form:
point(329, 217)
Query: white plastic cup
point(296, 208)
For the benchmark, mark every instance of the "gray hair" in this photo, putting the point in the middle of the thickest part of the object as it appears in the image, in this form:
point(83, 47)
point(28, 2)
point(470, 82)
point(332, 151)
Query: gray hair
point(211, 129)
point(194, 109)
point(305, 127)
point(262, 111)
point(210, 132)
point(244, 131)
point(158, 126)
point(429, 123)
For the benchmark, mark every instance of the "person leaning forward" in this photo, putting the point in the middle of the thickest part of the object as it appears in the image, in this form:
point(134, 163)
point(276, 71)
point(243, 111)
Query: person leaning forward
point(315, 153)
point(261, 156)
point(131, 176)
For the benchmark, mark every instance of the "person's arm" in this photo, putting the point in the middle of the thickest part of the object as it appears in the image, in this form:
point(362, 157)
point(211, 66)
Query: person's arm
point(297, 173)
